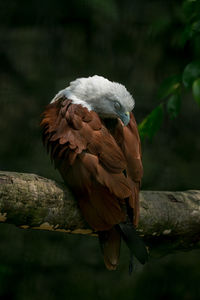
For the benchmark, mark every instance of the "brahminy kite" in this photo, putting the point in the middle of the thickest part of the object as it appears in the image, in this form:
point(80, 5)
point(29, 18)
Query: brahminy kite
point(94, 141)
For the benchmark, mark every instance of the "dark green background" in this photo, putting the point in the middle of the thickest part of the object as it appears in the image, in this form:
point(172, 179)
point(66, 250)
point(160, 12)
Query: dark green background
point(43, 46)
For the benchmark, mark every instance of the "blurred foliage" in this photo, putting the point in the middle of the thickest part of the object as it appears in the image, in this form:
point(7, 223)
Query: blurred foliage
point(182, 31)
point(151, 123)
point(196, 90)
point(43, 46)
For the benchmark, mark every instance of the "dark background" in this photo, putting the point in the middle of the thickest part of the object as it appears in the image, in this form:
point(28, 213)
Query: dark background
point(43, 46)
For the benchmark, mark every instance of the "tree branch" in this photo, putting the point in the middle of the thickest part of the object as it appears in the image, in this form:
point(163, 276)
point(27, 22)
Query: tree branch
point(31, 201)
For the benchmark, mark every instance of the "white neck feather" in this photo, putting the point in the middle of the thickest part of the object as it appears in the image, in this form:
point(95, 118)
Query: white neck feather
point(69, 95)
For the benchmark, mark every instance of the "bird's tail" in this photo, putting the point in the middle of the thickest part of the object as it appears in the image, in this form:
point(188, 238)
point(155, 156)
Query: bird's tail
point(110, 246)
point(134, 242)
point(110, 242)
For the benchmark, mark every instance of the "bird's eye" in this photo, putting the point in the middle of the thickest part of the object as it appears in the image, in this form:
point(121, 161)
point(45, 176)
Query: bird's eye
point(117, 105)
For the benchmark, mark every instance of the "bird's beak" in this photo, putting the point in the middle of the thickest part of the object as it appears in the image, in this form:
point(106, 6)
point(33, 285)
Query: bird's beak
point(125, 117)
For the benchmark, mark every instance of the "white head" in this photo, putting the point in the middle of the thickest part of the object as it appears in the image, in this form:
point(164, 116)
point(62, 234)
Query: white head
point(108, 99)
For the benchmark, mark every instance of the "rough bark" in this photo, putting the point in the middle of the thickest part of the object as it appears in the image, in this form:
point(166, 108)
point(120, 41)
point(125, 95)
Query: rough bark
point(31, 201)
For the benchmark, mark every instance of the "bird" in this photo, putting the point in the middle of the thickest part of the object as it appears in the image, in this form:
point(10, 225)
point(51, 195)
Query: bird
point(92, 136)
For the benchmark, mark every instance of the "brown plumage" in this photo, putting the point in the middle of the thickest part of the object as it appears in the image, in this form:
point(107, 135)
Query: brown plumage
point(101, 162)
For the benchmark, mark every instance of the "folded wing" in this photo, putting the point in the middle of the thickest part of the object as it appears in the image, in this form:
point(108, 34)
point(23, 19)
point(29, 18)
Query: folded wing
point(89, 160)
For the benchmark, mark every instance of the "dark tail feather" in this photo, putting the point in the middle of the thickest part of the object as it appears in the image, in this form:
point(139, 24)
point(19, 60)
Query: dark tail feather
point(110, 246)
point(134, 243)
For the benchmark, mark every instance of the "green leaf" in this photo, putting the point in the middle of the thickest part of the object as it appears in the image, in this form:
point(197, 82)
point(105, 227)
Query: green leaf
point(174, 105)
point(191, 73)
point(196, 90)
point(169, 86)
point(151, 124)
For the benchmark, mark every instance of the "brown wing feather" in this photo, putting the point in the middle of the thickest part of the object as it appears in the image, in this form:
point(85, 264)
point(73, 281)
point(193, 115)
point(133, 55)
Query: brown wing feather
point(92, 161)
point(89, 160)
point(129, 141)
